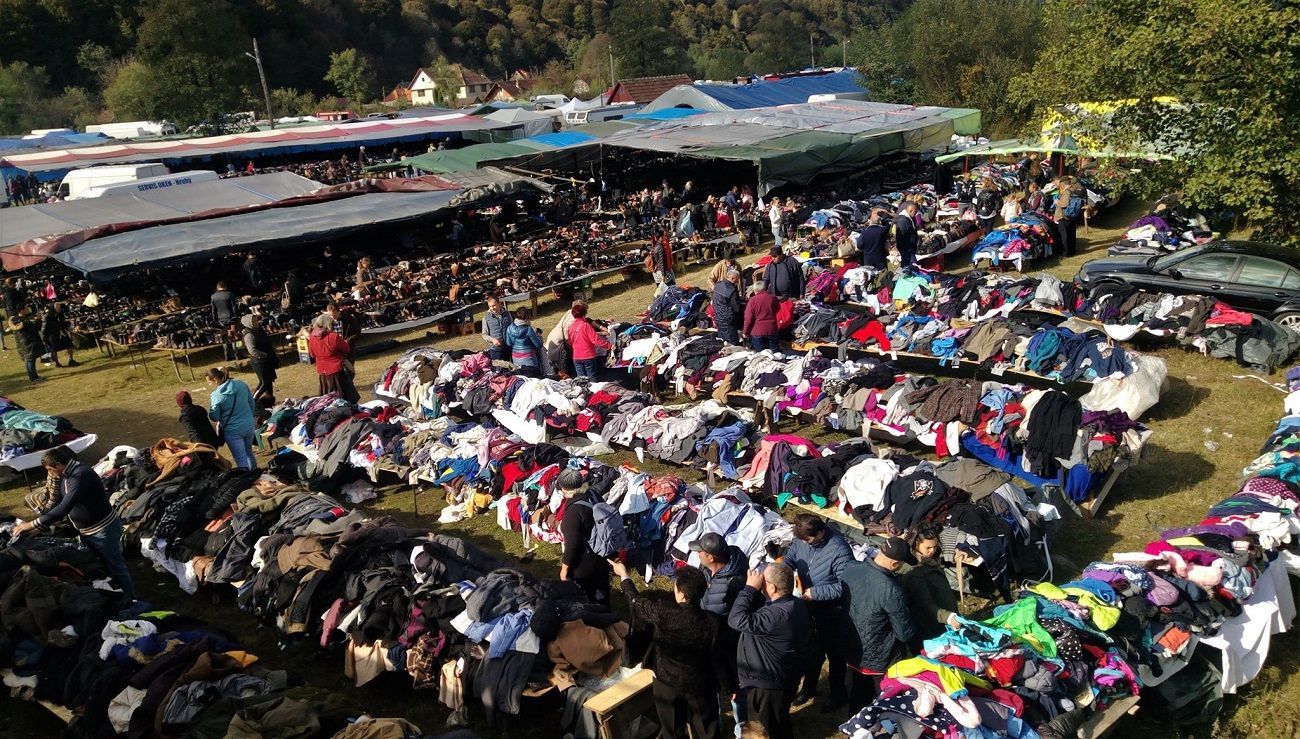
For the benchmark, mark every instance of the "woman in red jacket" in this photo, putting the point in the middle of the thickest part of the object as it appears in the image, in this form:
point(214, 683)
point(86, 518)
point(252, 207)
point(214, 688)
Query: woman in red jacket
point(760, 319)
point(330, 351)
point(583, 340)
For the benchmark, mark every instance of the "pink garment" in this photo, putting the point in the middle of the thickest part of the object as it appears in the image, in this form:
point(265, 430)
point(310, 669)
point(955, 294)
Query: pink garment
point(583, 340)
point(757, 471)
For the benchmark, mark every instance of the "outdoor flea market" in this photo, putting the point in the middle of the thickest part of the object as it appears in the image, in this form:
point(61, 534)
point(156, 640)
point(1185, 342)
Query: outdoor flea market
point(801, 419)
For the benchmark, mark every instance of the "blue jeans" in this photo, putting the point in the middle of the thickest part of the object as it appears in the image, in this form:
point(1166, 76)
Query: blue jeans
point(729, 334)
point(30, 364)
point(776, 238)
point(107, 545)
point(585, 368)
point(241, 448)
point(739, 710)
point(765, 342)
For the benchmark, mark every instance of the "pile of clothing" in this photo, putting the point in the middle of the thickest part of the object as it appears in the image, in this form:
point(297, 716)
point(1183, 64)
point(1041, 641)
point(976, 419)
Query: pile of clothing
point(1028, 237)
point(1201, 322)
point(1167, 228)
point(1188, 619)
point(128, 669)
point(23, 431)
point(388, 597)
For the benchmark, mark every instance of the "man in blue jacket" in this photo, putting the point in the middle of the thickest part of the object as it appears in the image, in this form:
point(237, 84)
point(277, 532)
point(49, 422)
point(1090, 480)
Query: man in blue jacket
point(773, 640)
point(879, 624)
point(818, 555)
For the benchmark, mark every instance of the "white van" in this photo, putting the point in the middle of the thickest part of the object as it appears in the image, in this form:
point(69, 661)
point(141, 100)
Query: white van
point(78, 181)
point(147, 184)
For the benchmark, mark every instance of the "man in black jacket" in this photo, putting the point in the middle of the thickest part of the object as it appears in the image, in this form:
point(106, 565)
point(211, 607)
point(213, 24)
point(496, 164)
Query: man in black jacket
point(224, 313)
point(686, 655)
point(773, 643)
point(784, 275)
point(905, 236)
point(872, 250)
point(724, 571)
point(578, 563)
point(879, 625)
point(727, 308)
point(83, 502)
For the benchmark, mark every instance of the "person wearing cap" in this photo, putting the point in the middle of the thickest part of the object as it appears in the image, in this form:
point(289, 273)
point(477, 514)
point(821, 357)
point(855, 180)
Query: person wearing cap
point(773, 644)
point(819, 555)
point(724, 571)
point(687, 655)
point(879, 625)
point(195, 421)
point(760, 319)
point(929, 596)
point(578, 563)
point(784, 275)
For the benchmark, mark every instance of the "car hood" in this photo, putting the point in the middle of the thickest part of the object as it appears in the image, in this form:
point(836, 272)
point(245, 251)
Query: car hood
point(1116, 265)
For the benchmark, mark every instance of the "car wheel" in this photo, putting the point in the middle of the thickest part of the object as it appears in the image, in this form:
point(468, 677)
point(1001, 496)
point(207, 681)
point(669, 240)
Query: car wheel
point(1290, 320)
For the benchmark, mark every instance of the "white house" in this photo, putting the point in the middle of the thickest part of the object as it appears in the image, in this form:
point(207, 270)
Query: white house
point(471, 86)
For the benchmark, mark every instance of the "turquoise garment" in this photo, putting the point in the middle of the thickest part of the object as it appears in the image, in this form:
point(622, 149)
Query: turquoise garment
point(231, 405)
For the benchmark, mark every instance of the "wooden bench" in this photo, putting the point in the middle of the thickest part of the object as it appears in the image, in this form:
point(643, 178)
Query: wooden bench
point(1100, 723)
point(617, 707)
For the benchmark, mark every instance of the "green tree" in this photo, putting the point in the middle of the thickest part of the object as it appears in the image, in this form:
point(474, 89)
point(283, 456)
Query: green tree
point(446, 82)
point(190, 65)
point(131, 95)
point(1233, 67)
point(290, 102)
point(22, 86)
point(352, 75)
point(643, 43)
point(955, 53)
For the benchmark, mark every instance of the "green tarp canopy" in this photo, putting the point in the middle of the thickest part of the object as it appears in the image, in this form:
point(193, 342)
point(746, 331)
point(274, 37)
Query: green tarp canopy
point(459, 160)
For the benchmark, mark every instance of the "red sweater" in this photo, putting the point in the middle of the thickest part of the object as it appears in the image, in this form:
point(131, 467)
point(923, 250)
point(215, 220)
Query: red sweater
point(583, 340)
point(329, 349)
point(760, 315)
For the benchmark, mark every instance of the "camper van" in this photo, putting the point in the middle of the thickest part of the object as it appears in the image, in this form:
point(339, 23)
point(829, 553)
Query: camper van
point(78, 181)
point(133, 129)
point(149, 184)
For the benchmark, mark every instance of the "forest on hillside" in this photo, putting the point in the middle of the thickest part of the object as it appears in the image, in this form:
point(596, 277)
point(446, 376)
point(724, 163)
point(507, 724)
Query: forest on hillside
point(69, 62)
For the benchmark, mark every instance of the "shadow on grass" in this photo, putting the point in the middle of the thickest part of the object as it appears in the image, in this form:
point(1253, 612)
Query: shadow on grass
point(1162, 471)
point(1178, 400)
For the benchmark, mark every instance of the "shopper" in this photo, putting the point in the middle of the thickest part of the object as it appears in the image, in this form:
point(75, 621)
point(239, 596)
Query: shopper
point(930, 597)
point(988, 201)
point(55, 335)
point(776, 217)
point(261, 357)
point(577, 562)
point(331, 352)
point(773, 645)
point(728, 311)
point(525, 343)
point(195, 421)
point(686, 652)
point(871, 243)
point(584, 340)
point(27, 339)
point(1067, 209)
point(760, 319)
point(556, 354)
point(347, 326)
point(879, 625)
point(724, 571)
point(784, 275)
point(905, 235)
point(818, 555)
point(294, 292)
point(1011, 206)
point(231, 406)
point(224, 313)
point(495, 322)
point(83, 502)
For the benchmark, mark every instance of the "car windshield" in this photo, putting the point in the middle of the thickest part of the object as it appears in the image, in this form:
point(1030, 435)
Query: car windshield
point(1162, 263)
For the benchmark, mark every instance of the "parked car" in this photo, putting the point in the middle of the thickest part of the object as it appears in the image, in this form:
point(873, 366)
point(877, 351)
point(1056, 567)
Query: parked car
point(1247, 275)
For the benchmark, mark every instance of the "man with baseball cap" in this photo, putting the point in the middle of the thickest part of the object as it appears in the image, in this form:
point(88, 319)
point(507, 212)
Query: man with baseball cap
point(724, 571)
point(879, 624)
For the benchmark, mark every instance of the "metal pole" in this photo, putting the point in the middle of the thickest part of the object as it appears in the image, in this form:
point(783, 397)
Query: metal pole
point(261, 73)
point(812, 51)
point(612, 80)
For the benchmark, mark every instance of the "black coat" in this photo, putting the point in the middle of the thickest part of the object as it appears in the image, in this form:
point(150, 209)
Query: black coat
point(727, 309)
point(197, 426)
point(878, 622)
point(28, 338)
point(773, 640)
point(686, 654)
point(871, 246)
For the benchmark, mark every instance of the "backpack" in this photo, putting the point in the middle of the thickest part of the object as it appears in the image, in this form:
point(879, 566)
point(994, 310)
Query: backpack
point(607, 537)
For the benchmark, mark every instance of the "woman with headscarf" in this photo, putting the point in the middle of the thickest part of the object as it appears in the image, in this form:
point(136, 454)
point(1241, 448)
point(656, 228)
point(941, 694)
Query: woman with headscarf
point(195, 421)
point(330, 352)
point(262, 356)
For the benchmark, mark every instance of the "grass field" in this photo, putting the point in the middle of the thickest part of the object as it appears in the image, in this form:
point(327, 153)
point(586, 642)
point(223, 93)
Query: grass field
point(1204, 406)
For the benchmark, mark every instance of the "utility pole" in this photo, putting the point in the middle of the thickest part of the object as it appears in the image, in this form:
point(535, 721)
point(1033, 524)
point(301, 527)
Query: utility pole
point(844, 52)
point(266, 92)
point(812, 51)
point(612, 80)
